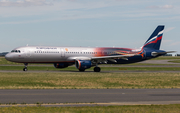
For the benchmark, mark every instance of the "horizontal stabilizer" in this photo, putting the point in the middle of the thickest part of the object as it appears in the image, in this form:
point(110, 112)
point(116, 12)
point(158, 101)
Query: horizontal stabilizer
point(161, 53)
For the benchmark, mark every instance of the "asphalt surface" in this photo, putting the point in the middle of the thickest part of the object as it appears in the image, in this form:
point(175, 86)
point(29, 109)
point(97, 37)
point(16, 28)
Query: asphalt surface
point(98, 96)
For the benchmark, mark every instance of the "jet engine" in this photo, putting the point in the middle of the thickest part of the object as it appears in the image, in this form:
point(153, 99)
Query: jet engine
point(83, 64)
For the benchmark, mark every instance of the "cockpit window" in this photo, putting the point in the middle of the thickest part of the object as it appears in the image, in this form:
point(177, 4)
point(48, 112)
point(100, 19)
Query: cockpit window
point(15, 51)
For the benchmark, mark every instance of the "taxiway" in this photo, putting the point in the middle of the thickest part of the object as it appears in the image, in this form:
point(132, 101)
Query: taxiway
point(108, 96)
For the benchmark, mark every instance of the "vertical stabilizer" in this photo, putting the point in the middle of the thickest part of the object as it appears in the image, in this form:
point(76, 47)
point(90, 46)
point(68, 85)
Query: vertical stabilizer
point(154, 40)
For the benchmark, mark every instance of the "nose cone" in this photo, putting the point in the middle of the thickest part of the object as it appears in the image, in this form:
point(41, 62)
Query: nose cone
point(9, 57)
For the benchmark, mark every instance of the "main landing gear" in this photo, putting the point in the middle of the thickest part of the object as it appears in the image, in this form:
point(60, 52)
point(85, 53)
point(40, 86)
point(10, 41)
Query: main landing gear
point(81, 70)
point(25, 67)
point(97, 69)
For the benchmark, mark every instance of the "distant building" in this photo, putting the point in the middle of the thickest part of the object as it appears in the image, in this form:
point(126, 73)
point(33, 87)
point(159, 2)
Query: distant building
point(177, 54)
point(3, 53)
point(167, 55)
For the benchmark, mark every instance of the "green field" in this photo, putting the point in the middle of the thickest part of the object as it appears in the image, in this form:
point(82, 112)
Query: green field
point(97, 109)
point(175, 61)
point(72, 68)
point(80, 80)
point(92, 80)
point(167, 58)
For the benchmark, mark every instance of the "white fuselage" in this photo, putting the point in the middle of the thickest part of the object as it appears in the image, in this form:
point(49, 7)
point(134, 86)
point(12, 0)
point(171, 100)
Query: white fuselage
point(36, 54)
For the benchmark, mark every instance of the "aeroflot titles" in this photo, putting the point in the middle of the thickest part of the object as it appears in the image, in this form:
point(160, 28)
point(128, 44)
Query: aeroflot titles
point(45, 48)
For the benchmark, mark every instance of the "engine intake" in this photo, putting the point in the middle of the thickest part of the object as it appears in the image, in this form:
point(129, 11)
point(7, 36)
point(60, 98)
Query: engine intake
point(83, 64)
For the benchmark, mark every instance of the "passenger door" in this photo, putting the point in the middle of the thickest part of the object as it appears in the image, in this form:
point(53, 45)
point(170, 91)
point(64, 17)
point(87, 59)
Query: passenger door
point(28, 53)
point(62, 52)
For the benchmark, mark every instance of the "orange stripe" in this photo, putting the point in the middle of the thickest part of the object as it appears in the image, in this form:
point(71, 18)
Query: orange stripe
point(79, 64)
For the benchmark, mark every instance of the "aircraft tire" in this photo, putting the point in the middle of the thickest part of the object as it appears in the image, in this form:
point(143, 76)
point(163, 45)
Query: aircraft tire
point(25, 69)
point(81, 70)
point(97, 69)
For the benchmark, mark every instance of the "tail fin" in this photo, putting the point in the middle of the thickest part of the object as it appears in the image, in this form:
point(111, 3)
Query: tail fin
point(154, 40)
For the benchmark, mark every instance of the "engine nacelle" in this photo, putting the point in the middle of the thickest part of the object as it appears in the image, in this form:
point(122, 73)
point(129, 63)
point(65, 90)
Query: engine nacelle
point(61, 65)
point(83, 64)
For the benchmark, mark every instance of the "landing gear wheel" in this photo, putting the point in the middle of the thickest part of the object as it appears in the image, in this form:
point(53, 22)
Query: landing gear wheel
point(97, 69)
point(25, 69)
point(81, 70)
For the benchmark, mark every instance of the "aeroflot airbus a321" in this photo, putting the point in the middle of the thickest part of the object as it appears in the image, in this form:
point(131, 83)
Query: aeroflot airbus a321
point(86, 57)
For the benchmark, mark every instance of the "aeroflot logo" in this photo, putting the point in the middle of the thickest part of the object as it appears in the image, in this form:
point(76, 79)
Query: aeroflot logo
point(159, 35)
point(46, 48)
point(66, 49)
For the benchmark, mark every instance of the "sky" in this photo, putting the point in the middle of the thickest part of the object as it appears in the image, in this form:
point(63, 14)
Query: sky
point(88, 23)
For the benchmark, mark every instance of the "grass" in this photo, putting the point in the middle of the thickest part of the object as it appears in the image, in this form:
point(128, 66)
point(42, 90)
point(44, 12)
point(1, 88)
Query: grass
point(166, 58)
point(88, 80)
point(4, 61)
point(96, 109)
point(175, 61)
point(51, 68)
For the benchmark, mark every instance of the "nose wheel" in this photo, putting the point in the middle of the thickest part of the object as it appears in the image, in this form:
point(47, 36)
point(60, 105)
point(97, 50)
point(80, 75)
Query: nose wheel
point(97, 69)
point(25, 67)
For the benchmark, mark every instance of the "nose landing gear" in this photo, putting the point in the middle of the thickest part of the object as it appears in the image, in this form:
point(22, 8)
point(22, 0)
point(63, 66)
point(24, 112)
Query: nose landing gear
point(25, 67)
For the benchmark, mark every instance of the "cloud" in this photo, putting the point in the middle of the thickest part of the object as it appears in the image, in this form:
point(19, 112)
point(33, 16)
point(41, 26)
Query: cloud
point(32, 11)
point(169, 29)
point(175, 43)
point(23, 3)
point(161, 7)
point(166, 7)
point(71, 17)
point(170, 43)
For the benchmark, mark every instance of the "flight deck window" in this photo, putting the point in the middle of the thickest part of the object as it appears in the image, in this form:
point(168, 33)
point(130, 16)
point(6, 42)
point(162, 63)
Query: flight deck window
point(15, 51)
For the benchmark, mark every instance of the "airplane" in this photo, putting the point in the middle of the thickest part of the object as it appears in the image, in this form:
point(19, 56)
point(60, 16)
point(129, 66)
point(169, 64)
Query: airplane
point(87, 57)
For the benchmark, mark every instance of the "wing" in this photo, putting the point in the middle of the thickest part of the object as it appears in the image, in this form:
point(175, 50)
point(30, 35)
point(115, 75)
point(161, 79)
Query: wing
point(112, 58)
point(104, 58)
